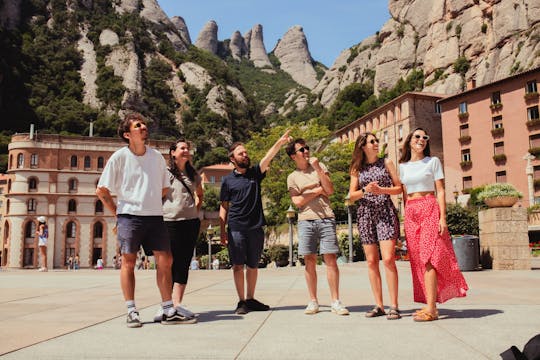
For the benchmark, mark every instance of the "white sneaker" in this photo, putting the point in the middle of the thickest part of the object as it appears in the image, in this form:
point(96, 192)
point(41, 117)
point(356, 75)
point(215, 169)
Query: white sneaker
point(42, 269)
point(339, 309)
point(312, 308)
point(182, 310)
point(159, 315)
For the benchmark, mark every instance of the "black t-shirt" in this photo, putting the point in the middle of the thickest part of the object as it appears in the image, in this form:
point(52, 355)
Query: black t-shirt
point(243, 192)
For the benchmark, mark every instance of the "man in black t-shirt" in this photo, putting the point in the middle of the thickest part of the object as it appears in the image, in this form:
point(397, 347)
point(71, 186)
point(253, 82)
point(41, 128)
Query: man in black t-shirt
point(241, 209)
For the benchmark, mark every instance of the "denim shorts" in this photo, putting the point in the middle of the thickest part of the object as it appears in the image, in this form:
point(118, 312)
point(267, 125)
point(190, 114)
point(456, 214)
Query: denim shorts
point(148, 231)
point(312, 233)
point(245, 247)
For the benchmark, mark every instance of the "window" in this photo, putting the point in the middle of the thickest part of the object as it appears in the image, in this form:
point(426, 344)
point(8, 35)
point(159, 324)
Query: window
point(72, 206)
point(32, 184)
point(385, 137)
point(32, 205)
point(7, 206)
point(466, 155)
point(98, 230)
point(498, 148)
point(99, 207)
point(500, 176)
point(71, 229)
point(463, 107)
point(20, 161)
point(100, 162)
point(464, 130)
point(87, 162)
point(30, 230)
point(72, 183)
point(467, 182)
point(536, 172)
point(534, 141)
point(497, 122)
point(532, 113)
point(400, 132)
point(212, 179)
point(531, 87)
point(34, 160)
point(74, 162)
point(496, 98)
point(438, 108)
point(28, 257)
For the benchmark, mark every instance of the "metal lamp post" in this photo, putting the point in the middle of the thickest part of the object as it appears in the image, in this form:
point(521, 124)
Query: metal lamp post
point(348, 205)
point(209, 235)
point(456, 194)
point(290, 218)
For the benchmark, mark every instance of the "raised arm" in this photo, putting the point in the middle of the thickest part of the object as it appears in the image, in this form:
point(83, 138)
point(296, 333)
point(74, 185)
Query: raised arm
point(265, 162)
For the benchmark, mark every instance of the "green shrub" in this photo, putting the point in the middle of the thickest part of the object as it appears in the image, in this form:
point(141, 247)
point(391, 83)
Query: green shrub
point(211, 199)
point(461, 220)
point(278, 253)
point(498, 189)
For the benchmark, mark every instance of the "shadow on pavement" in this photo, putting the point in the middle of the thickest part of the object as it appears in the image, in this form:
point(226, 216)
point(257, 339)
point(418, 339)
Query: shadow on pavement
point(468, 313)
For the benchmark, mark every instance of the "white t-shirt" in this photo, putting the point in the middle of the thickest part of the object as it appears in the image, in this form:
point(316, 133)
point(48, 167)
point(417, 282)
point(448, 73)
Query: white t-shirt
point(137, 181)
point(420, 176)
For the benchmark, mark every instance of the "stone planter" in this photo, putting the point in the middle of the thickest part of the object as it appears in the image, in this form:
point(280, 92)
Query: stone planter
point(501, 201)
point(211, 215)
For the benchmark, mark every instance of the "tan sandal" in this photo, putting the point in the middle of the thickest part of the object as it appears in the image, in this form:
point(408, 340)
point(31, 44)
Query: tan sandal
point(425, 316)
point(424, 310)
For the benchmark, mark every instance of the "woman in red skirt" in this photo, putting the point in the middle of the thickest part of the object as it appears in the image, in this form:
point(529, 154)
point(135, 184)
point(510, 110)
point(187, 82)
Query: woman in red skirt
point(435, 271)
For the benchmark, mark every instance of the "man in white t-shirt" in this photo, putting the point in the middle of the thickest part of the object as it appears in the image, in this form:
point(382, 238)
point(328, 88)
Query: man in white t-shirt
point(137, 175)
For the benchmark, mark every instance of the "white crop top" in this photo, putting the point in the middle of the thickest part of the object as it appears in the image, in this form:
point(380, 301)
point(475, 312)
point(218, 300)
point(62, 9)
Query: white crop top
point(420, 176)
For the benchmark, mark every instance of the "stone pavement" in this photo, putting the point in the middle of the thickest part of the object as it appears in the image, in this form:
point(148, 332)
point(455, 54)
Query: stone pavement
point(81, 315)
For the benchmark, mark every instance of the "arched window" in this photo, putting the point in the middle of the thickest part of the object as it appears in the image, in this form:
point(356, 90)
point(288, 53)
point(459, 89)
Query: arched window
point(71, 229)
point(72, 206)
point(32, 184)
point(7, 206)
point(99, 207)
point(98, 230)
point(6, 232)
point(34, 161)
point(100, 163)
point(87, 162)
point(9, 185)
point(72, 184)
point(30, 230)
point(20, 161)
point(74, 162)
point(11, 161)
point(32, 205)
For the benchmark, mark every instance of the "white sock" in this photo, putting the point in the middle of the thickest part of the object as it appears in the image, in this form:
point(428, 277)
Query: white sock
point(168, 308)
point(131, 306)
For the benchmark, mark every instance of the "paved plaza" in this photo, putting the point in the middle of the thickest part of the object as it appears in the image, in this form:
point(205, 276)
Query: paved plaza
point(81, 315)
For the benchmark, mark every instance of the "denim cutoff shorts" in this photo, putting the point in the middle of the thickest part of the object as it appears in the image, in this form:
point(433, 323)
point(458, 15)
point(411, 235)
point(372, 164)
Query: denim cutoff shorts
point(312, 233)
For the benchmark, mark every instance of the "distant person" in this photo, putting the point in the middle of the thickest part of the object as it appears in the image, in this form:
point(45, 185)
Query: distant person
point(99, 264)
point(373, 180)
point(43, 236)
point(435, 271)
point(215, 263)
point(194, 264)
point(76, 262)
point(70, 263)
point(138, 175)
point(242, 220)
point(181, 208)
point(310, 188)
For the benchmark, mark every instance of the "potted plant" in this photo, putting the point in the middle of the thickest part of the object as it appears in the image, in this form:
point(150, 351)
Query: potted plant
point(499, 195)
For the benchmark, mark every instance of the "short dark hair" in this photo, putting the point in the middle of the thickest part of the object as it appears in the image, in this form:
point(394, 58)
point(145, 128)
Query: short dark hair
point(291, 147)
point(125, 124)
point(233, 147)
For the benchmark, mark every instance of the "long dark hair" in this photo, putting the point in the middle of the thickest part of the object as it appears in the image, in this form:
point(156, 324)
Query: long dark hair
point(406, 150)
point(358, 156)
point(190, 170)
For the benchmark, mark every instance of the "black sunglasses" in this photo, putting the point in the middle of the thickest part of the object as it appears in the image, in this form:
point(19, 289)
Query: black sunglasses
point(303, 149)
point(374, 141)
point(425, 137)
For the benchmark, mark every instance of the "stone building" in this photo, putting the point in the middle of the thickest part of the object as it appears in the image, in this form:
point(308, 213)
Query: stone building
point(56, 176)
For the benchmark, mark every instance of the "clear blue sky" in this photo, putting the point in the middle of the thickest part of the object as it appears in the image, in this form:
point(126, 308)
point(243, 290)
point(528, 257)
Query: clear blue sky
point(330, 26)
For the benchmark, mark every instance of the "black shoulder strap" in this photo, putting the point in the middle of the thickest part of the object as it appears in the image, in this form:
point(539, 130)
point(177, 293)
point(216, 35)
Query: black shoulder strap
point(183, 183)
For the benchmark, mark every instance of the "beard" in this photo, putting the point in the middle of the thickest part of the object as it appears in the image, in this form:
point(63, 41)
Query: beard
point(243, 164)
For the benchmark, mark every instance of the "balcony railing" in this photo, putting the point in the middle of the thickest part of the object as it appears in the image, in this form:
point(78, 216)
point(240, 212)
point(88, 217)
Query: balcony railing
point(463, 115)
point(496, 106)
point(499, 158)
point(464, 139)
point(497, 131)
point(465, 164)
point(531, 95)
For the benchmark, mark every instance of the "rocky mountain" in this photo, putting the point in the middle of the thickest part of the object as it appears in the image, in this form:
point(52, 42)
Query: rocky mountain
point(207, 39)
point(451, 41)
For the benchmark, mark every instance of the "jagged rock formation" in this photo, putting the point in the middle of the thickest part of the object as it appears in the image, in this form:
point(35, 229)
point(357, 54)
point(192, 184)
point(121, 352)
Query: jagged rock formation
point(237, 46)
point(196, 75)
point(255, 45)
point(125, 63)
point(182, 28)
point(207, 39)
point(10, 13)
point(496, 37)
point(108, 37)
point(293, 54)
point(89, 69)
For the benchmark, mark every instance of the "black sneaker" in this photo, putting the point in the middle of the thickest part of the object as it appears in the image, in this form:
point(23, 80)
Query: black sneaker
point(177, 318)
point(241, 308)
point(255, 305)
point(133, 320)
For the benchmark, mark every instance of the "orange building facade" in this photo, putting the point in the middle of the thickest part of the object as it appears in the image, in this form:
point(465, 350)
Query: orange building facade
point(488, 131)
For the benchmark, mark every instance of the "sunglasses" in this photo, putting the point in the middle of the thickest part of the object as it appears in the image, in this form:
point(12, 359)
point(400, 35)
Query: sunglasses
point(373, 141)
point(138, 125)
point(303, 149)
point(425, 137)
